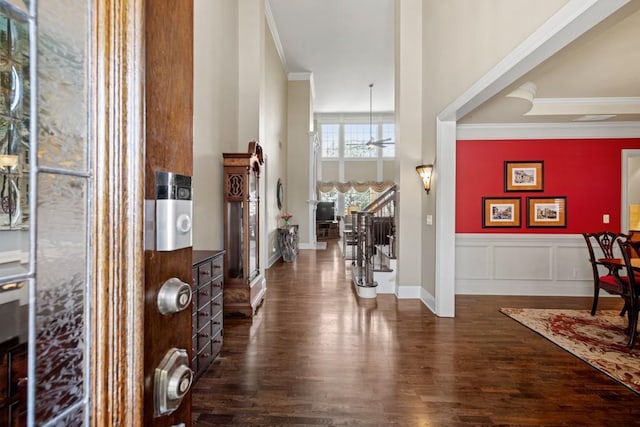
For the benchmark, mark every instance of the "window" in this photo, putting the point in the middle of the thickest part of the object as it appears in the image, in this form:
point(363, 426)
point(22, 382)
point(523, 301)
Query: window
point(330, 140)
point(355, 198)
point(345, 157)
point(389, 131)
point(356, 137)
point(340, 140)
point(331, 196)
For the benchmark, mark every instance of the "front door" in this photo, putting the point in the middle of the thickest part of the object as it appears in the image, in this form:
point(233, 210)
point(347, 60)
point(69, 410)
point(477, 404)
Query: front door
point(168, 165)
point(143, 89)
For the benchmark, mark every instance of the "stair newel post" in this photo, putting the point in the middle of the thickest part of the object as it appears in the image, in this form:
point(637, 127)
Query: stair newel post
point(369, 248)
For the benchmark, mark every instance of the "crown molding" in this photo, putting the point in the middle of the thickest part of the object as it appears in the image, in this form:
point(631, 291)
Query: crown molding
point(268, 14)
point(548, 130)
point(583, 106)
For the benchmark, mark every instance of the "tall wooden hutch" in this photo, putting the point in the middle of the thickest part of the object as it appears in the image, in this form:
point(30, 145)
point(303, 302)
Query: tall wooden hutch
point(244, 284)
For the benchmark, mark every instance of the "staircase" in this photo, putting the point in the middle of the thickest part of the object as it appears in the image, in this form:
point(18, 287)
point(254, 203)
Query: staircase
point(373, 238)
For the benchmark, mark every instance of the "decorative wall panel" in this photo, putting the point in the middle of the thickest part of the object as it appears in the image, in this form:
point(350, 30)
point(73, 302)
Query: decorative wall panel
point(477, 262)
point(522, 264)
point(573, 261)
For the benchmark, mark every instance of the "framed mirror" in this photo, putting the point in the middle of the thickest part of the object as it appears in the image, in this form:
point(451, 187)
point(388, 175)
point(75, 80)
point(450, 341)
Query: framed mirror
point(279, 194)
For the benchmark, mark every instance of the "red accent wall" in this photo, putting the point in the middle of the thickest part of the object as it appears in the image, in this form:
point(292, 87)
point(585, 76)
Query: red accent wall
point(586, 171)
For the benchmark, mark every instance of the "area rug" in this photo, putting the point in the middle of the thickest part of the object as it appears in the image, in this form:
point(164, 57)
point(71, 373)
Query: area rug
point(598, 340)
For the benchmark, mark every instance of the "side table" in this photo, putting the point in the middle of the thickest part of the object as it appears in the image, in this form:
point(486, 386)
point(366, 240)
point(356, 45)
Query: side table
point(288, 242)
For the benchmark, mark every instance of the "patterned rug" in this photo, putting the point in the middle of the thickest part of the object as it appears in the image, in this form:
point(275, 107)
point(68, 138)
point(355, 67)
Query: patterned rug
point(598, 340)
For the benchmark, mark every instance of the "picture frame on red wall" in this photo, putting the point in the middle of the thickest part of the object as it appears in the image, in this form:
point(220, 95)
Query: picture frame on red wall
point(502, 212)
point(524, 175)
point(547, 211)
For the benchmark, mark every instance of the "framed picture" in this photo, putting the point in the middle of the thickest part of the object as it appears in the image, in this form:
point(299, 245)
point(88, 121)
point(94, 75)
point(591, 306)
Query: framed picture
point(547, 211)
point(500, 212)
point(524, 176)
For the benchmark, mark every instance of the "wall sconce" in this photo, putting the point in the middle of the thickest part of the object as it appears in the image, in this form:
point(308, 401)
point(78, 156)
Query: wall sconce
point(425, 174)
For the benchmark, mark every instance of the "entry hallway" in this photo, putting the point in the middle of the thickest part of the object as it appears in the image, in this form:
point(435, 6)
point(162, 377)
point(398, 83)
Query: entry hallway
point(316, 355)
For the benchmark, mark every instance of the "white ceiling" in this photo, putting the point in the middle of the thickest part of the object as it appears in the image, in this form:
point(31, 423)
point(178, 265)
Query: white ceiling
point(596, 75)
point(349, 44)
point(346, 44)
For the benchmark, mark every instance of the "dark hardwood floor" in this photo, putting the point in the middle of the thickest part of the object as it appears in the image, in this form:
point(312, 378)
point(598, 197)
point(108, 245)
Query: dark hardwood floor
point(316, 355)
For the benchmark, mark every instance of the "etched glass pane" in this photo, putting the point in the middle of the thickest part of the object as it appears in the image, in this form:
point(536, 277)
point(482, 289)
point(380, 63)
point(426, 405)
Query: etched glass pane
point(61, 293)
point(62, 75)
point(14, 146)
point(73, 419)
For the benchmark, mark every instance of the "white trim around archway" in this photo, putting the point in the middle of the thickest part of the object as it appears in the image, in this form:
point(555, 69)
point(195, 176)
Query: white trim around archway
point(569, 23)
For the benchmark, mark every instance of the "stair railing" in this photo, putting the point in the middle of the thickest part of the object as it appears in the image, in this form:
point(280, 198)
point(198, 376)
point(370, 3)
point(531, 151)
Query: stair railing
point(374, 233)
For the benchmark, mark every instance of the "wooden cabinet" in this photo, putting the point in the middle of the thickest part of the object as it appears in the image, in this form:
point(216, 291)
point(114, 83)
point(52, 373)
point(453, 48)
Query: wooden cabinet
point(244, 283)
point(207, 309)
point(13, 383)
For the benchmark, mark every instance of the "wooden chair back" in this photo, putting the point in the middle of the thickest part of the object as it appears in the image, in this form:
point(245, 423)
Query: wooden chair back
point(606, 242)
point(629, 251)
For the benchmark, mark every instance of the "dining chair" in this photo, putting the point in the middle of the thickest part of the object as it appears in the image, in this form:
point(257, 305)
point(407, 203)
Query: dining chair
point(604, 276)
point(630, 249)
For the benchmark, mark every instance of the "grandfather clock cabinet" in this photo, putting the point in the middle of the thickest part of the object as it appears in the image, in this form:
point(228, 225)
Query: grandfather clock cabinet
point(244, 284)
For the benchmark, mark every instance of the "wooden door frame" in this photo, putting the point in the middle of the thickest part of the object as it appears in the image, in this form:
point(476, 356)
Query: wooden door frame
point(624, 188)
point(117, 215)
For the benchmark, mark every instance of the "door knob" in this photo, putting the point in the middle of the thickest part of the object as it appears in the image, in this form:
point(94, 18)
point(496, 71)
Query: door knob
point(172, 382)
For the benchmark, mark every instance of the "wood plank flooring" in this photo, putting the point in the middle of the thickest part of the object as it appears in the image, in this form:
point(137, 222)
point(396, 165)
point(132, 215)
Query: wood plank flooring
point(316, 355)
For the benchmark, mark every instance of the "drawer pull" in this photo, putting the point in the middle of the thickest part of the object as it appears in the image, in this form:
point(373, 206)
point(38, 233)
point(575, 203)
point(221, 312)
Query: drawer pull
point(22, 382)
point(216, 303)
point(216, 322)
point(204, 314)
point(217, 285)
point(216, 341)
point(204, 293)
point(205, 273)
point(204, 335)
point(204, 355)
point(217, 267)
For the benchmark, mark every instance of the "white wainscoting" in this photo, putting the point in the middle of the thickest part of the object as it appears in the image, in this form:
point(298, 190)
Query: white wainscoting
point(523, 264)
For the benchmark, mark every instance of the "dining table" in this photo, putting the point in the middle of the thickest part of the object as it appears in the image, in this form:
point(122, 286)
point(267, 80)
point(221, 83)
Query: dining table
point(619, 263)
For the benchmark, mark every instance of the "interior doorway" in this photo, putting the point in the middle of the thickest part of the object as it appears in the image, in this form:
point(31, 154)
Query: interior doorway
point(630, 200)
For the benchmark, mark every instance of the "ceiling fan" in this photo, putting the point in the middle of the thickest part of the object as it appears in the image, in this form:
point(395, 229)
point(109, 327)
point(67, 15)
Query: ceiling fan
point(374, 142)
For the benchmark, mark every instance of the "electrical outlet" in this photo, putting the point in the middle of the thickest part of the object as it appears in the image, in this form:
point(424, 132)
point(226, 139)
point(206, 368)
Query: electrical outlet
point(605, 219)
point(429, 219)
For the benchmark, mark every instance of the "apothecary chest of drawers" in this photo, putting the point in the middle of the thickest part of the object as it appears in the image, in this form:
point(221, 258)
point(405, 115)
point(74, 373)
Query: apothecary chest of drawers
point(207, 327)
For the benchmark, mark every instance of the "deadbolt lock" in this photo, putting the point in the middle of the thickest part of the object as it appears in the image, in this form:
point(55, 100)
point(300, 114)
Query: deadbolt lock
point(173, 296)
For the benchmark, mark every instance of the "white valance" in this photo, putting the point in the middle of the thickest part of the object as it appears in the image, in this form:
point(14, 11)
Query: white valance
point(359, 186)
